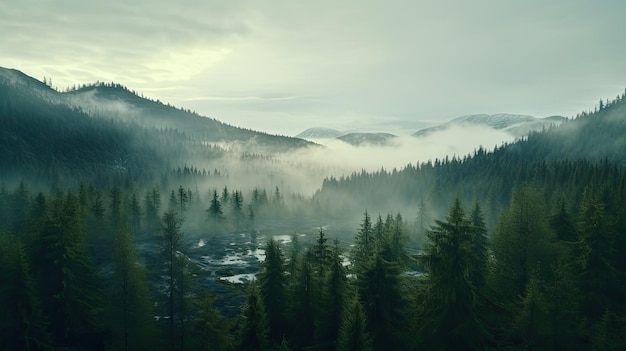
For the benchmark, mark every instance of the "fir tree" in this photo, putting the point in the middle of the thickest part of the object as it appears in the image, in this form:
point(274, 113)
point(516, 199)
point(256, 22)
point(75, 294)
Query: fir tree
point(451, 301)
point(254, 333)
point(272, 289)
point(214, 211)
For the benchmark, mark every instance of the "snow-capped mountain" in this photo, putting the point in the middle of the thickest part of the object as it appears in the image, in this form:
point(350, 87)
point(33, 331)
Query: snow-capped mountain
point(320, 133)
point(516, 125)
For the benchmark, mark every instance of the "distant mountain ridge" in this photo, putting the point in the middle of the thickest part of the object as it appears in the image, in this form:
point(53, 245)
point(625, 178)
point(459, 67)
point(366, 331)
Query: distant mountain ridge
point(514, 124)
point(373, 139)
point(352, 138)
point(320, 133)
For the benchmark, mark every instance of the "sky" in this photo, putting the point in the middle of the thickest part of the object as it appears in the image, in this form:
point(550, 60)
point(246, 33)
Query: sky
point(367, 65)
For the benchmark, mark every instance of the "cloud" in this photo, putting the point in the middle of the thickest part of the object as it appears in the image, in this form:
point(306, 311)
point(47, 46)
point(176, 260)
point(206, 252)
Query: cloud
point(421, 60)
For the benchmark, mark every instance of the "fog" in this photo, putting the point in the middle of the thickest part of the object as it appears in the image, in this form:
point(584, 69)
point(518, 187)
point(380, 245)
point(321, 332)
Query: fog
point(302, 171)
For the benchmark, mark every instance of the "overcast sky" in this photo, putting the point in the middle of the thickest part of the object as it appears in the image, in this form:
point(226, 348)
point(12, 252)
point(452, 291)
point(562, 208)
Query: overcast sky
point(284, 66)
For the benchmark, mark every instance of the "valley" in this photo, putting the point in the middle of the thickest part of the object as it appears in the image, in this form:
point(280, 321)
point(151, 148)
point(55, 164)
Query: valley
point(123, 214)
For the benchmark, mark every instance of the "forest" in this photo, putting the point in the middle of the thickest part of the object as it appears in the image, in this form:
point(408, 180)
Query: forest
point(118, 234)
point(541, 278)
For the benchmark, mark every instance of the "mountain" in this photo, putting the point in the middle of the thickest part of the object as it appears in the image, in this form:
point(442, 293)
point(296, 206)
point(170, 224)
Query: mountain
point(576, 154)
point(114, 101)
point(360, 139)
point(106, 128)
point(320, 133)
point(516, 125)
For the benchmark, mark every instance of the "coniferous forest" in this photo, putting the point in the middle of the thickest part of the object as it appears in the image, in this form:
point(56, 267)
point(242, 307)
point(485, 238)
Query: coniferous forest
point(130, 233)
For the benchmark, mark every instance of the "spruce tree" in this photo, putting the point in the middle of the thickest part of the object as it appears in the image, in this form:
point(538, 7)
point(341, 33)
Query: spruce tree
point(130, 311)
point(272, 288)
point(71, 294)
point(171, 245)
point(23, 325)
point(364, 245)
point(214, 211)
point(451, 302)
point(353, 332)
point(480, 246)
point(210, 330)
point(383, 302)
point(254, 332)
point(333, 300)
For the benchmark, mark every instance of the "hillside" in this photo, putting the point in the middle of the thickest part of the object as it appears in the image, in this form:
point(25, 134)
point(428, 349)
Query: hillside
point(106, 128)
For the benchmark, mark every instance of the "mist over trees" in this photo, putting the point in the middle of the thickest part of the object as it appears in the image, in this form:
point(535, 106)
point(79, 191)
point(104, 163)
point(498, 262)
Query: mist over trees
point(118, 234)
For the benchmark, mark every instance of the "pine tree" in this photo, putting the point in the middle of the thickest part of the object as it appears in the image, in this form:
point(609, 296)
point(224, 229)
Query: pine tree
point(215, 211)
point(182, 198)
point(71, 295)
point(130, 311)
point(394, 248)
point(321, 256)
point(272, 289)
point(364, 245)
point(225, 196)
point(253, 335)
point(597, 277)
point(237, 208)
point(479, 245)
point(562, 225)
point(451, 301)
point(302, 298)
point(134, 212)
point(23, 325)
point(521, 242)
point(532, 321)
point(382, 300)
point(352, 333)
point(333, 301)
point(210, 329)
point(171, 245)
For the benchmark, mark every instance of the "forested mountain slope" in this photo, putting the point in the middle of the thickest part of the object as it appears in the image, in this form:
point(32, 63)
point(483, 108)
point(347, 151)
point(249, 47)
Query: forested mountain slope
point(107, 129)
point(557, 155)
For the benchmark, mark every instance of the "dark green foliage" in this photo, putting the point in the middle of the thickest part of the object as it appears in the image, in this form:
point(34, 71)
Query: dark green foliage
point(254, 332)
point(130, 312)
point(597, 276)
point(395, 241)
point(272, 284)
point(303, 298)
point(353, 332)
point(215, 212)
point(211, 332)
point(23, 325)
point(562, 224)
point(382, 300)
point(480, 247)
point(364, 245)
point(65, 276)
point(451, 310)
point(237, 208)
point(333, 301)
point(532, 322)
point(522, 242)
point(171, 245)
